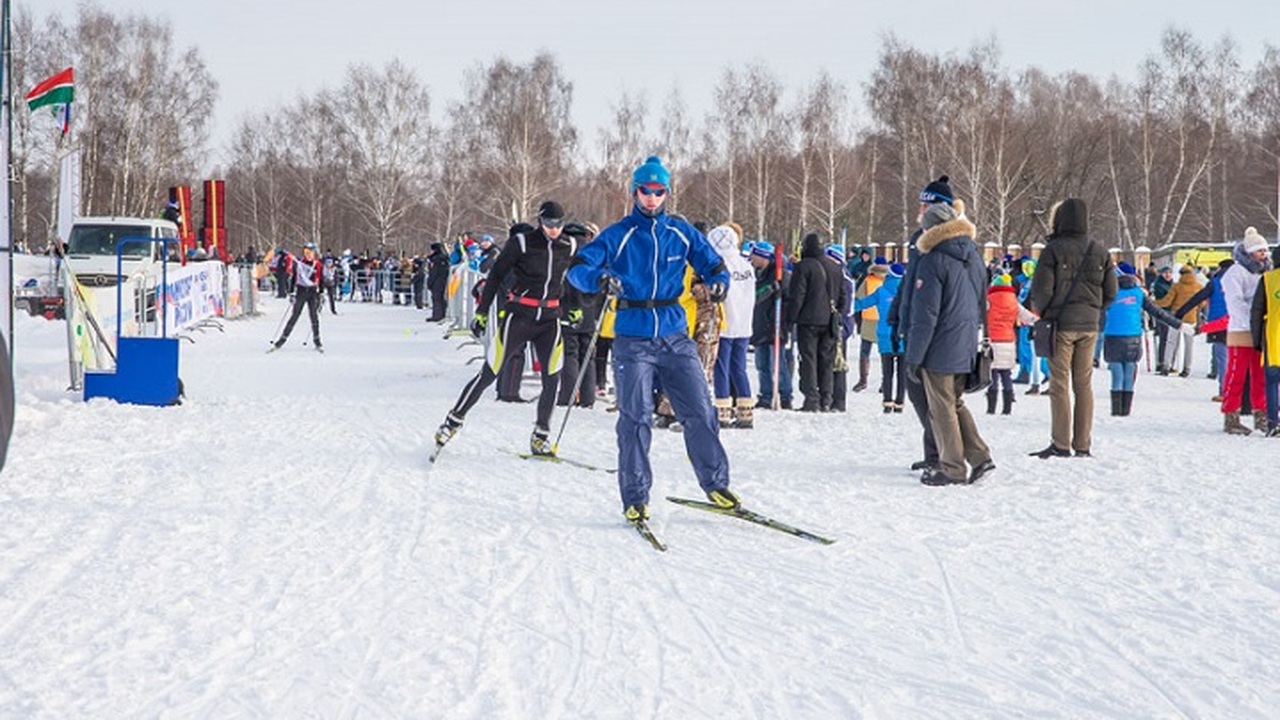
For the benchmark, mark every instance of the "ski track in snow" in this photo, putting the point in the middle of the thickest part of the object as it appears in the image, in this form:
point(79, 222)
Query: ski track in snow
point(278, 546)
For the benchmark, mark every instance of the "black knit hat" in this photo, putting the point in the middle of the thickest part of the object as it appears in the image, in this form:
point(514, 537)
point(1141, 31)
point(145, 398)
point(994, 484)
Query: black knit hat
point(551, 210)
point(938, 191)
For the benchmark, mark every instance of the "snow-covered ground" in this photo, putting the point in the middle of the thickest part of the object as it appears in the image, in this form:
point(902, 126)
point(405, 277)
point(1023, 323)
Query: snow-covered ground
point(279, 547)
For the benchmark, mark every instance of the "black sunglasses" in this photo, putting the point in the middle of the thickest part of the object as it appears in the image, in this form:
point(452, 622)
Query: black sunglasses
point(552, 223)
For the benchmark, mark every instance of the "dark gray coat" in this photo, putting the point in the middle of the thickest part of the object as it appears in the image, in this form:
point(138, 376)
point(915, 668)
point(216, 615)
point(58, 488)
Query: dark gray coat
point(1069, 249)
point(948, 300)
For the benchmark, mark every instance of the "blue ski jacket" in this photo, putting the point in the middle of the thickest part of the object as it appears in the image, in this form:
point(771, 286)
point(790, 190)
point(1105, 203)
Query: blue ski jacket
point(648, 255)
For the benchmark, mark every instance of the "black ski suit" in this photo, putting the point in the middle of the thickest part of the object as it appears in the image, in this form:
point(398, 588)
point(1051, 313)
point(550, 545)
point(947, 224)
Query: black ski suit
point(535, 265)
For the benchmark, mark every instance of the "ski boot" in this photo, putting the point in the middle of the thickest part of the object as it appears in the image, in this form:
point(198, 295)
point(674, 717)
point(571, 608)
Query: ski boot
point(724, 498)
point(445, 433)
point(540, 442)
point(636, 513)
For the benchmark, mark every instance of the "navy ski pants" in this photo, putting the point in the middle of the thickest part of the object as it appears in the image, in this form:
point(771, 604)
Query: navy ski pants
point(673, 360)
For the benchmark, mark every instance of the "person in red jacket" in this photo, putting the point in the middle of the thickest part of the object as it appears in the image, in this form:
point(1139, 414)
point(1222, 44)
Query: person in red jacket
point(1004, 315)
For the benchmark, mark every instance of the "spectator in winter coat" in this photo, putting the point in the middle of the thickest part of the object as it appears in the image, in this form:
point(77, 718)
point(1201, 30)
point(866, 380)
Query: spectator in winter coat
point(1122, 335)
point(1244, 362)
point(1077, 311)
point(765, 328)
point(869, 328)
point(887, 341)
point(579, 322)
point(938, 191)
point(1179, 293)
point(1159, 288)
point(1004, 315)
point(817, 290)
point(281, 265)
point(1030, 368)
point(844, 315)
point(734, 402)
point(948, 306)
point(437, 281)
point(1265, 322)
point(1211, 294)
point(643, 256)
point(329, 276)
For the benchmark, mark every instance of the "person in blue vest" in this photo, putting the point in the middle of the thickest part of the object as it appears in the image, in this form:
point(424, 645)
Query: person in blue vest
point(641, 259)
point(1122, 335)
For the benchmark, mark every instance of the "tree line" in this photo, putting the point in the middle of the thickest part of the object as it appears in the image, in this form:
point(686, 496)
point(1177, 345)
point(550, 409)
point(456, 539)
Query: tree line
point(1187, 150)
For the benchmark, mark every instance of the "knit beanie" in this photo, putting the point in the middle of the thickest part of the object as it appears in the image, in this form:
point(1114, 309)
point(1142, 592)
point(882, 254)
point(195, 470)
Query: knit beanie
point(550, 210)
point(1002, 280)
point(836, 252)
point(651, 171)
point(1253, 241)
point(1126, 269)
point(938, 191)
point(897, 269)
point(763, 249)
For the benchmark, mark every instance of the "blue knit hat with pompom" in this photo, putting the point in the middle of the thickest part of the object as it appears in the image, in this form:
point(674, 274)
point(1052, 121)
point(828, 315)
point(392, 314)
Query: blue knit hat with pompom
point(651, 171)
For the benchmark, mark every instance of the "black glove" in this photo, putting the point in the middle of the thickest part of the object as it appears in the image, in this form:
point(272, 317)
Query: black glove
point(610, 284)
point(913, 374)
point(479, 323)
point(716, 292)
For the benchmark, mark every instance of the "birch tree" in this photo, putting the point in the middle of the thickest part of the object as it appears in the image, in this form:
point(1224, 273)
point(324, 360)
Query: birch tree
point(383, 118)
point(521, 134)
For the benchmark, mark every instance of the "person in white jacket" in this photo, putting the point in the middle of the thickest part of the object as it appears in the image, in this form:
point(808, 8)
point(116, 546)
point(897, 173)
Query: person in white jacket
point(733, 398)
point(1239, 283)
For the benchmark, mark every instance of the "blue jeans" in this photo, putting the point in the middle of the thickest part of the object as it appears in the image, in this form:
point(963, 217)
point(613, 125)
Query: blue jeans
point(764, 372)
point(1123, 375)
point(1272, 377)
point(672, 360)
point(1220, 364)
point(730, 376)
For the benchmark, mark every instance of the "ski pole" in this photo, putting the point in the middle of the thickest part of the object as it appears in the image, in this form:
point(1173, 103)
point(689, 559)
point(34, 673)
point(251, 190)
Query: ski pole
point(589, 357)
point(777, 327)
point(280, 325)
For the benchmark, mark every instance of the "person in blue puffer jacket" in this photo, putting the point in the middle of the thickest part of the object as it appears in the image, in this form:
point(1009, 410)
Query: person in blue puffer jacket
point(1122, 335)
point(641, 259)
point(887, 341)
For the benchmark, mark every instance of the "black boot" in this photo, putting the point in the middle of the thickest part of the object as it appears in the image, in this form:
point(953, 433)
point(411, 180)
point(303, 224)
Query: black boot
point(1117, 403)
point(1007, 407)
point(864, 367)
point(1126, 402)
point(991, 400)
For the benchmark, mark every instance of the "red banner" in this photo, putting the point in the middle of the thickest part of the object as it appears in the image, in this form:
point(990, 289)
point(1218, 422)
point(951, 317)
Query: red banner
point(214, 232)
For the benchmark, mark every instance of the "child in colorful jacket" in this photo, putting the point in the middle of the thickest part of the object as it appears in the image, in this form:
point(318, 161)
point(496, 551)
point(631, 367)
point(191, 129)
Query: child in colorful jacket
point(1004, 316)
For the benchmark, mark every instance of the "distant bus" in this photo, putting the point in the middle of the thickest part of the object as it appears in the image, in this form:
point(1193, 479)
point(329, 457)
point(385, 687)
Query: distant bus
point(1200, 255)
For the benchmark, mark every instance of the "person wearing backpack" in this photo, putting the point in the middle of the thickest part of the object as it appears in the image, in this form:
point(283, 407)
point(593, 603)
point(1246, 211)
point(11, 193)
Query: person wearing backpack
point(1074, 282)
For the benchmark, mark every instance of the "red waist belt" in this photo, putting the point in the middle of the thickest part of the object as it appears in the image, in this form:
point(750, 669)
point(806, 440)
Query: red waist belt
point(535, 302)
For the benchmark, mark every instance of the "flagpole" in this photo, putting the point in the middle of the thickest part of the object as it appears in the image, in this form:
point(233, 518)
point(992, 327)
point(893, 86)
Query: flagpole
point(6, 165)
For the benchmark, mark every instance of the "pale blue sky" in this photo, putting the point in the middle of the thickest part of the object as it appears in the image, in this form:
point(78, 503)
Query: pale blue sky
point(264, 52)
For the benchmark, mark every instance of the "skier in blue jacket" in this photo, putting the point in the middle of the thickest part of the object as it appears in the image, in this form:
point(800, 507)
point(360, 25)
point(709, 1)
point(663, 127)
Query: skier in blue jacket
point(642, 258)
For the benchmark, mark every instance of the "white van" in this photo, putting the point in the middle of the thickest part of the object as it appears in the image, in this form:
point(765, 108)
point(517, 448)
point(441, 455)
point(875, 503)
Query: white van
point(91, 248)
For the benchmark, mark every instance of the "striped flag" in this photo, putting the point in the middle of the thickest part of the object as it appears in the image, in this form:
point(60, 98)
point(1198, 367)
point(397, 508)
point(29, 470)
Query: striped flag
point(58, 92)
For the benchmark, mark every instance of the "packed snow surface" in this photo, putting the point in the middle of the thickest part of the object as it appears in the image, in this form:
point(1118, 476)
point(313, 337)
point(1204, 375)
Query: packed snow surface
point(279, 547)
